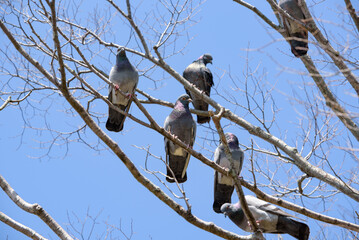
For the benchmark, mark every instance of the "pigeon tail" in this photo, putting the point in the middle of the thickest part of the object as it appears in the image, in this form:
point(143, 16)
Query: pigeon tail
point(202, 119)
point(222, 195)
point(294, 228)
point(115, 119)
point(177, 165)
point(179, 177)
point(203, 106)
point(299, 47)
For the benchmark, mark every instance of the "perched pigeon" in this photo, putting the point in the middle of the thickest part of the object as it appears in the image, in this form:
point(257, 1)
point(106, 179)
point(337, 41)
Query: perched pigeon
point(181, 124)
point(125, 78)
point(198, 74)
point(269, 218)
point(299, 45)
point(223, 185)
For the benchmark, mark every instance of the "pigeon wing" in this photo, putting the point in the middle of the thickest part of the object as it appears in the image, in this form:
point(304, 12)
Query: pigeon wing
point(265, 206)
point(208, 80)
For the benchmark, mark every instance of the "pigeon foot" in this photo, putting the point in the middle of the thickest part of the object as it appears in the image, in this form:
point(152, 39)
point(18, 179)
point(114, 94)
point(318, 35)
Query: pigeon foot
point(250, 225)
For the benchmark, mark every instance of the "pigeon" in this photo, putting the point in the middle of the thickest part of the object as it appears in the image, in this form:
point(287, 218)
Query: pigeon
point(181, 124)
point(269, 218)
point(125, 78)
point(224, 185)
point(198, 74)
point(299, 45)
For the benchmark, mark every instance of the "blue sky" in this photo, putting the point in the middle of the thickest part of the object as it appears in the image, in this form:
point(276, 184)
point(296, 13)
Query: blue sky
point(72, 180)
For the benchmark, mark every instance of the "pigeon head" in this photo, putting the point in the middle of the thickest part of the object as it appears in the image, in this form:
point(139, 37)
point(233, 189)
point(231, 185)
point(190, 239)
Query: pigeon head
point(207, 58)
point(183, 100)
point(232, 140)
point(121, 54)
point(229, 209)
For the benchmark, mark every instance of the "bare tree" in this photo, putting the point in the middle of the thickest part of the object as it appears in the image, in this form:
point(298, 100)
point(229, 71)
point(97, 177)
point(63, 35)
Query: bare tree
point(57, 54)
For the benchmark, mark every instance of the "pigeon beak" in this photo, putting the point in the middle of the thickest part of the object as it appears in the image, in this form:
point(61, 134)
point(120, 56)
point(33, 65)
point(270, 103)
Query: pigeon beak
point(121, 51)
point(190, 100)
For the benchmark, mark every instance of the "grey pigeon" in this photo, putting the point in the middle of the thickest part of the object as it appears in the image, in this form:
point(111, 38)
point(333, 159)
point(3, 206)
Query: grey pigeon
point(269, 218)
point(299, 45)
point(223, 185)
point(181, 124)
point(125, 78)
point(198, 74)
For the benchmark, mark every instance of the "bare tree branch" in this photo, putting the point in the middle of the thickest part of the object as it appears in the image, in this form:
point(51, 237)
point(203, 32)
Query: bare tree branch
point(259, 13)
point(352, 13)
point(70, 62)
point(133, 24)
point(35, 209)
point(21, 228)
point(7, 101)
point(57, 42)
point(330, 100)
point(10, 101)
point(338, 60)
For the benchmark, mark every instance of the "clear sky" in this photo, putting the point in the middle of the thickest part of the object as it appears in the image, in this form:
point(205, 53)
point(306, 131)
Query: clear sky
point(75, 183)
